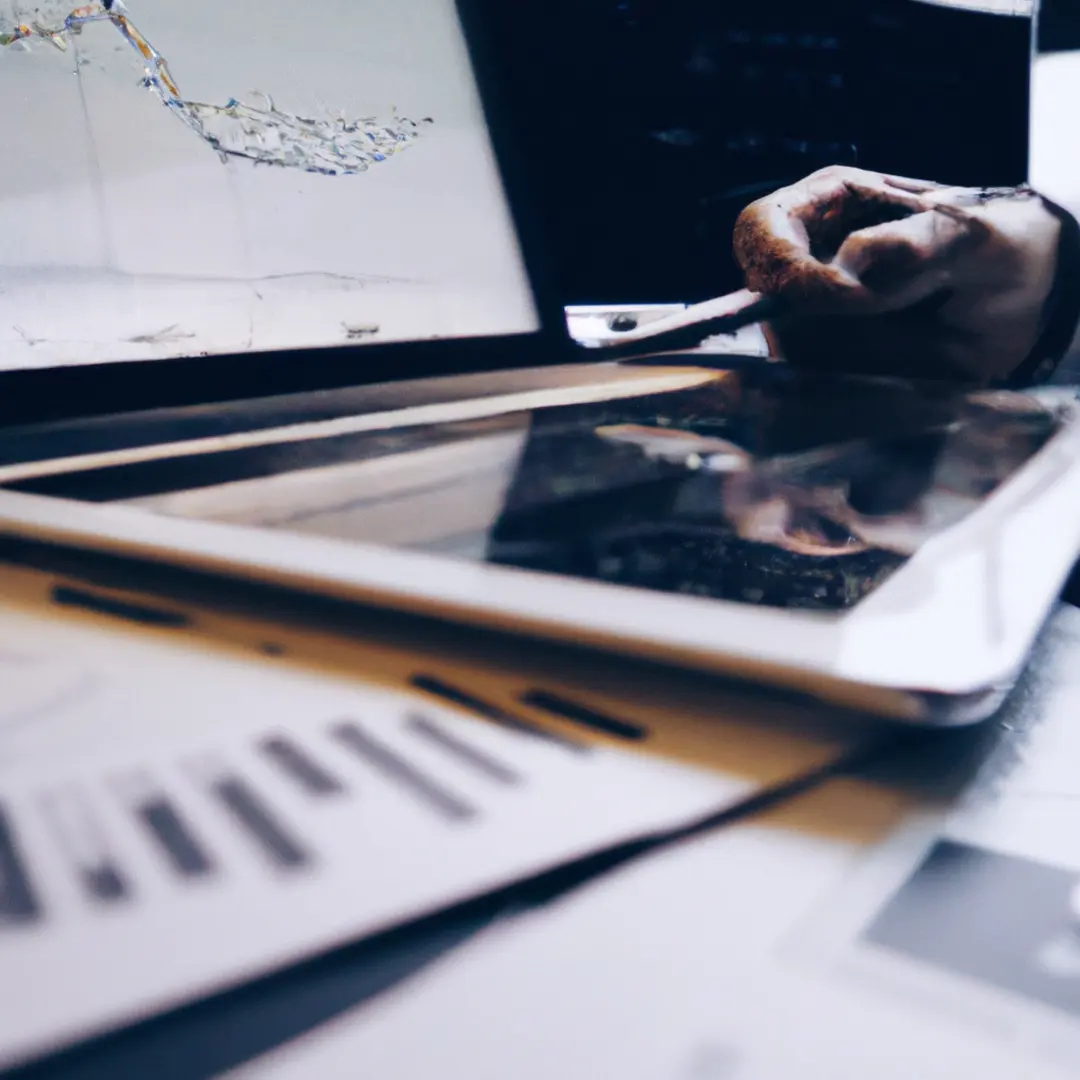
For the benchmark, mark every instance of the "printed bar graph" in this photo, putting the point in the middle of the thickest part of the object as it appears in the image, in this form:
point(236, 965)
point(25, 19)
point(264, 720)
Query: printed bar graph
point(300, 767)
point(252, 813)
point(18, 900)
point(456, 747)
point(403, 773)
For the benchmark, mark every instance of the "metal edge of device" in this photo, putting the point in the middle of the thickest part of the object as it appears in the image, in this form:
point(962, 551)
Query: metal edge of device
point(911, 706)
point(1024, 9)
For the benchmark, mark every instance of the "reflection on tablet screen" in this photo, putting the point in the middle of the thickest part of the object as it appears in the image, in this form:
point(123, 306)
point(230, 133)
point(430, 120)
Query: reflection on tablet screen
point(772, 490)
point(199, 178)
point(800, 494)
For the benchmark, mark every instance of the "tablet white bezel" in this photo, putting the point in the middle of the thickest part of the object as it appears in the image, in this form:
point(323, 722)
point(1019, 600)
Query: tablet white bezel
point(957, 620)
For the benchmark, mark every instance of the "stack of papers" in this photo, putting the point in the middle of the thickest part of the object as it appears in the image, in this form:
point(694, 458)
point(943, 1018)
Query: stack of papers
point(189, 800)
point(869, 928)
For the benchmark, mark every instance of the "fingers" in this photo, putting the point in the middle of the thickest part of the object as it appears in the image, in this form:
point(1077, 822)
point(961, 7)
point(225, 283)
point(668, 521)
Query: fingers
point(906, 270)
point(785, 243)
point(902, 263)
point(773, 248)
point(846, 194)
point(894, 275)
point(915, 187)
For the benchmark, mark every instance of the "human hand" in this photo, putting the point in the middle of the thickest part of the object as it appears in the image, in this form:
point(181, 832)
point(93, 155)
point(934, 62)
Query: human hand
point(885, 275)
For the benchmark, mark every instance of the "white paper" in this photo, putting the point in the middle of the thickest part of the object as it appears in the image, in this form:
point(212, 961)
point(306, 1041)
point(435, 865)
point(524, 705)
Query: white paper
point(742, 955)
point(975, 919)
point(673, 970)
point(133, 773)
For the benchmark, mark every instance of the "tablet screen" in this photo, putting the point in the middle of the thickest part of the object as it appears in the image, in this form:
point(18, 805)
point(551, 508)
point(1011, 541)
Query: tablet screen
point(781, 491)
point(194, 178)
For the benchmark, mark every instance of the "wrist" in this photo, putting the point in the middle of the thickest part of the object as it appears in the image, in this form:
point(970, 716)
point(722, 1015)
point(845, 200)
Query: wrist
point(1058, 345)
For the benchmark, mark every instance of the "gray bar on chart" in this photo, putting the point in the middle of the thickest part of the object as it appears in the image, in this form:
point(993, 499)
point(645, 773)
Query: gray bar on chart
point(456, 747)
point(403, 773)
point(300, 767)
point(252, 813)
point(18, 901)
point(463, 699)
point(174, 837)
point(79, 833)
point(105, 883)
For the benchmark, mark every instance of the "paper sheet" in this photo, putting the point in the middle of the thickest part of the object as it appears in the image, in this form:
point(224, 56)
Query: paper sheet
point(197, 800)
point(978, 920)
point(675, 969)
point(743, 956)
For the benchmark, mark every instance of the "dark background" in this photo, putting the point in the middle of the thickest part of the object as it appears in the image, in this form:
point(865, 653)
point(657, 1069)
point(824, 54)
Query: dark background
point(647, 125)
point(1059, 26)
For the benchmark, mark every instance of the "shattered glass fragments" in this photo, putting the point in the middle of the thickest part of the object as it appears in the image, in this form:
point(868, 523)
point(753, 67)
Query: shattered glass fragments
point(332, 145)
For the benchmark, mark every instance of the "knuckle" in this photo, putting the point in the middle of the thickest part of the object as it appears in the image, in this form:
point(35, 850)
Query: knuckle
point(753, 238)
point(839, 174)
point(829, 172)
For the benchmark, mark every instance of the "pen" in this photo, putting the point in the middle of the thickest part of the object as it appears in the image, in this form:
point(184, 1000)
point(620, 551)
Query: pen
point(689, 328)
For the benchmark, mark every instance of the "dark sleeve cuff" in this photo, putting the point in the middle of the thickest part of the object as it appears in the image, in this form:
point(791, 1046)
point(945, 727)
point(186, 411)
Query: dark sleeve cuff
point(1062, 313)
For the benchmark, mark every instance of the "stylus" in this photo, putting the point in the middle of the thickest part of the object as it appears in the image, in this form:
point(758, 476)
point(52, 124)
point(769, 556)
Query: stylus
point(690, 327)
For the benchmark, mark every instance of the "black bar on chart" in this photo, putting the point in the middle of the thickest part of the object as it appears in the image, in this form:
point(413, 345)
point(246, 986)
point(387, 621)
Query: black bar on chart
point(403, 773)
point(175, 838)
point(462, 751)
point(454, 695)
point(18, 901)
point(584, 715)
point(300, 767)
point(252, 813)
point(66, 596)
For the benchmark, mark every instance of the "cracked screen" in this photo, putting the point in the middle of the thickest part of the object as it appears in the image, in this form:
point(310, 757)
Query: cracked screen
point(192, 178)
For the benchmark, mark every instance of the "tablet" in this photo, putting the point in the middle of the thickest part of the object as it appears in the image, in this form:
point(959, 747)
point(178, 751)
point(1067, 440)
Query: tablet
point(203, 203)
point(870, 542)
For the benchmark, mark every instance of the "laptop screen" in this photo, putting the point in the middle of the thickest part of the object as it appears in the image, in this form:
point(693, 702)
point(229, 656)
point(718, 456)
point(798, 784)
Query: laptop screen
point(683, 112)
point(188, 178)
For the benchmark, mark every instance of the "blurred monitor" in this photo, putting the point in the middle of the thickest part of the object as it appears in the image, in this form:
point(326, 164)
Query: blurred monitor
point(648, 124)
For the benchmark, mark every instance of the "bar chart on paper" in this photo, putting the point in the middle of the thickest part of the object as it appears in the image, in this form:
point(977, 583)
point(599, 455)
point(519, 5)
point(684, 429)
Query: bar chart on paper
point(178, 814)
point(265, 798)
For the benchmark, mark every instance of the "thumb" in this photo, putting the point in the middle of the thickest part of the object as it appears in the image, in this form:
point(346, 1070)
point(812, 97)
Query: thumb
point(900, 263)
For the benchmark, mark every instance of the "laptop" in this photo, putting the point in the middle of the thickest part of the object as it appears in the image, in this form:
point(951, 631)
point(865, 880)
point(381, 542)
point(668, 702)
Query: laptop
point(213, 270)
